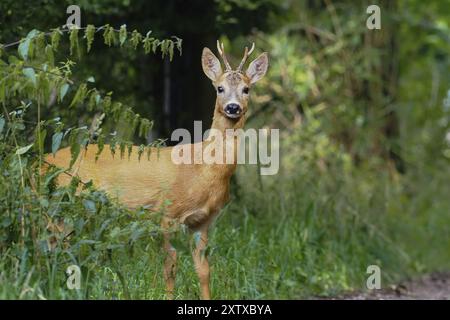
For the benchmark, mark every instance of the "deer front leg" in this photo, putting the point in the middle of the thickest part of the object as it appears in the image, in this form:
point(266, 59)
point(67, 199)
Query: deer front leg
point(201, 261)
point(170, 260)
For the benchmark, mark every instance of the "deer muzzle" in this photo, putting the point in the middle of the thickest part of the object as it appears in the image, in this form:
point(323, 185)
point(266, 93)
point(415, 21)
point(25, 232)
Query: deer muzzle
point(233, 110)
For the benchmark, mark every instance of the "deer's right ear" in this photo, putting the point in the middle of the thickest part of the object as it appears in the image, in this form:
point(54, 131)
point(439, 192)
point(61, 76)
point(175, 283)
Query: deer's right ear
point(211, 65)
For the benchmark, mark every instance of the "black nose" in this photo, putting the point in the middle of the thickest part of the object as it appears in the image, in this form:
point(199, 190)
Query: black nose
point(232, 108)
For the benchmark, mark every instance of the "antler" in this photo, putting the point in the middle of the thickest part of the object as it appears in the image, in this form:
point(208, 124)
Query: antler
point(224, 57)
point(246, 55)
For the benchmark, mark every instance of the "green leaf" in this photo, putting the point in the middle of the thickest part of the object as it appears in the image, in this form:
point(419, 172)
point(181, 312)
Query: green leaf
point(55, 38)
point(100, 145)
point(171, 47)
point(179, 41)
point(40, 138)
point(147, 44)
point(74, 41)
point(2, 90)
point(24, 46)
point(91, 79)
point(108, 35)
point(23, 49)
point(40, 42)
point(164, 47)
point(117, 109)
point(122, 34)
point(92, 100)
point(122, 146)
point(89, 34)
point(114, 232)
point(136, 38)
point(74, 147)
point(89, 205)
point(155, 45)
point(56, 141)
point(49, 54)
point(130, 149)
point(30, 74)
point(23, 149)
point(80, 95)
point(140, 151)
point(2, 124)
point(50, 177)
point(144, 127)
point(63, 91)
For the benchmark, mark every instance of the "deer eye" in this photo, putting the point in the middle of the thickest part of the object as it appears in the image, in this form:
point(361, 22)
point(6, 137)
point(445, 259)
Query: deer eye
point(220, 89)
point(245, 90)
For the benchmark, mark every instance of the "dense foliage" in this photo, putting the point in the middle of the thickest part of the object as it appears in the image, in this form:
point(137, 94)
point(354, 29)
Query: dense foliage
point(365, 144)
point(40, 219)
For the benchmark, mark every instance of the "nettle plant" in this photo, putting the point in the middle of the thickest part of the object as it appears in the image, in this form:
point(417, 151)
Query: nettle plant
point(32, 208)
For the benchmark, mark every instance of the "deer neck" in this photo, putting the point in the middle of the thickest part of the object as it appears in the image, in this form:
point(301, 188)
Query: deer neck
point(226, 127)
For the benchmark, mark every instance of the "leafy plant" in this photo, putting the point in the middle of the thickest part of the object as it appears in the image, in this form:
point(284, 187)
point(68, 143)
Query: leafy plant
point(43, 226)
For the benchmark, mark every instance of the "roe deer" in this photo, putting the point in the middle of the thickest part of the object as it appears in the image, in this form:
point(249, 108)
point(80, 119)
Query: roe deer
point(197, 192)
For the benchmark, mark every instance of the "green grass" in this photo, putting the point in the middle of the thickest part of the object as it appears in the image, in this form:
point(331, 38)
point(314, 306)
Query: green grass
point(295, 239)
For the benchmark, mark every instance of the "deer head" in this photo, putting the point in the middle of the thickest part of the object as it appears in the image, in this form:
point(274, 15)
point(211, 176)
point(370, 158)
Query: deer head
point(233, 86)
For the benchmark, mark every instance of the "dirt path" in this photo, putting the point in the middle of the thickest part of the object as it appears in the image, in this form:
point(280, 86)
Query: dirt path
point(430, 287)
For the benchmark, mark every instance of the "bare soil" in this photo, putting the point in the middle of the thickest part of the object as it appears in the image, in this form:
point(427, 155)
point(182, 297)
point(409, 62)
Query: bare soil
point(434, 286)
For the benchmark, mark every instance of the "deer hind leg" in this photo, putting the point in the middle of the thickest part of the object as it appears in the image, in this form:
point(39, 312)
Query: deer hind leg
point(201, 261)
point(170, 260)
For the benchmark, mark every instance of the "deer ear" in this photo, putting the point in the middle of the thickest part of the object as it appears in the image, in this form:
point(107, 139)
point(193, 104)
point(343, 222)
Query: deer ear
point(258, 68)
point(211, 65)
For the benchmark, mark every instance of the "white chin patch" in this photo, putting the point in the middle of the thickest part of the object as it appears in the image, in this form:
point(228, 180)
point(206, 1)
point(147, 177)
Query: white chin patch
point(234, 115)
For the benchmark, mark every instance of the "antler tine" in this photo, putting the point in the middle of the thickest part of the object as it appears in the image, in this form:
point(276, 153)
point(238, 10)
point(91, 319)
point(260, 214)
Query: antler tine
point(218, 48)
point(251, 49)
point(247, 53)
point(243, 59)
point(221, 50)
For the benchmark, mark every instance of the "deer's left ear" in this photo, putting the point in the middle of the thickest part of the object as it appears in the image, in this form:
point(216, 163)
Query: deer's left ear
point(211, 65)
point(258, 68)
